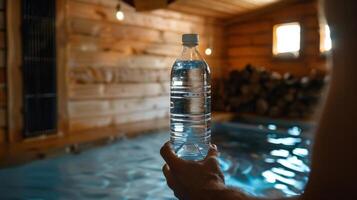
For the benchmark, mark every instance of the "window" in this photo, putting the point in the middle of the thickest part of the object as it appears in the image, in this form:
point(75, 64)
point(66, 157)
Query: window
point(39, 67)
point(286, 39)
point(325, 39)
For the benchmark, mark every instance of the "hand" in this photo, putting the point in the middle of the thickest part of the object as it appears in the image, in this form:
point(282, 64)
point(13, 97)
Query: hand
point(192, 179)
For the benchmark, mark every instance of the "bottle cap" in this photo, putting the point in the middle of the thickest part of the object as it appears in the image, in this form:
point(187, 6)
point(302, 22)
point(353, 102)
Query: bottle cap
point(190, 39)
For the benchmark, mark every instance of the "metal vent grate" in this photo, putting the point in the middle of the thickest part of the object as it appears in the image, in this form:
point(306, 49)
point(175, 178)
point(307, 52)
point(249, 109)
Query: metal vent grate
point(39, 67)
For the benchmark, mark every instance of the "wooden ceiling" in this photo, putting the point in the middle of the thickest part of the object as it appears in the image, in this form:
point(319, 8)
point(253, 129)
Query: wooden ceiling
point(219, 8)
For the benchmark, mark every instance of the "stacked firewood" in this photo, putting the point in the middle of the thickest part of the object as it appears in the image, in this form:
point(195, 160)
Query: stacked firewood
point(262, 92)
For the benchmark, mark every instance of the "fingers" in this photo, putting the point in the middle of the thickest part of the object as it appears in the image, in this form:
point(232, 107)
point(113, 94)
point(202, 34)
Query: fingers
point(171, 182)
point(212, 152)
point(169, 178)
point(169, 156)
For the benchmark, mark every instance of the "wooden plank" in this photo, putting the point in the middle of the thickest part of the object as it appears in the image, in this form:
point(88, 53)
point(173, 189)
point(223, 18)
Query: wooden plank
point(96, 108)
point(250, 51)
point(125, 90)
point(81, 124)
point(2, 20)
point(2, 118)
point(134, 33)
point(13, 71)
point(160, 12)
point(264, 38)
point(3, 96)
point(251, 27)
point(2, 39)
point(311, 22)
point(116, 59)
point(2, 58)
point(62, 67)
point(100, 28)
point(240, 63)
point(265, 11)
point(194, 11)
point(2, 76)
point(141, 116)
point(94, 12)
point(86, 75)
point(89, 123)
point(2, 136)
point(136, 90)
point(87, 43)
point(213, 6)
point(106, 3)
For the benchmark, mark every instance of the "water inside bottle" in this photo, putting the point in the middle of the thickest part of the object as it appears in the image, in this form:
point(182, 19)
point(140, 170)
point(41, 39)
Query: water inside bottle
point(190, 109)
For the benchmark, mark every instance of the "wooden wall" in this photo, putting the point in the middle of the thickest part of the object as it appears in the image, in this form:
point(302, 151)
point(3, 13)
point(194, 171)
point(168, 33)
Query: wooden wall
point(118, 71)
point(249, 40)
point(2, 73)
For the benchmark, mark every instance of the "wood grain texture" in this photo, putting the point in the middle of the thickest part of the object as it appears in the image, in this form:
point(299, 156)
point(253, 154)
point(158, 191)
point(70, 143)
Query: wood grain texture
point(13, 65)
point(250, 41)
point(219, 8)
point(119, 70)
point(124, 90)
point(93, 108)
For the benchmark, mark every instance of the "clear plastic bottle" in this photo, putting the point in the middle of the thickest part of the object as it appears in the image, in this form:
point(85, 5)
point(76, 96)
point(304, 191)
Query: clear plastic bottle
point(190, 108)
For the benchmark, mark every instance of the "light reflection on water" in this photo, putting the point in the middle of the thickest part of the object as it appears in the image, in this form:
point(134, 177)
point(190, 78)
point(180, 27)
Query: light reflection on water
point(282, 167)
point(131, 169)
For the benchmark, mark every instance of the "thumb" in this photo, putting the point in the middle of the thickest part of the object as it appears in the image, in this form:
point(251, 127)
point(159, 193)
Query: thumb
point(212, 152)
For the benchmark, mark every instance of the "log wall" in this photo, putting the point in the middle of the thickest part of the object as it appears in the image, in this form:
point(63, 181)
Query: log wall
point(2, 73)
point(118, 71)
point(250, 40)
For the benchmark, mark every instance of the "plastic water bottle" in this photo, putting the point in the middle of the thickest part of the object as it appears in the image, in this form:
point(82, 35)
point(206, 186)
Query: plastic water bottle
point(190, 107)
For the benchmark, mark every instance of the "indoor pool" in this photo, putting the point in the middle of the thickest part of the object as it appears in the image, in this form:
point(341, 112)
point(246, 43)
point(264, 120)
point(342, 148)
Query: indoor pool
point(261, 159)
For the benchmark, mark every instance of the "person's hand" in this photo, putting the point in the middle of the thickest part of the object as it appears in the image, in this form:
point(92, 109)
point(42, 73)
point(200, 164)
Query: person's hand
point(192, 179)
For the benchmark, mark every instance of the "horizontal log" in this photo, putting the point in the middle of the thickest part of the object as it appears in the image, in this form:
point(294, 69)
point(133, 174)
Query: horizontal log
point(103, 29)
point(142, 19)
point(93, 44)
point(265, 38)
point(250, 27)
point(98, 122)
point(117, 59)
point(90, 123)
point(98, 28)
point(242, 62)
point(89, 75)
point(295, 11)
point(141, 116)
point(94, 108)
point(250, 51)
point(125, 90)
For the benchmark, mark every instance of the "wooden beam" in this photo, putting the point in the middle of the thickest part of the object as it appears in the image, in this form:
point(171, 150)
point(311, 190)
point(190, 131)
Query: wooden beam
point(14, 80)
point(61, 65)
point(263, 10)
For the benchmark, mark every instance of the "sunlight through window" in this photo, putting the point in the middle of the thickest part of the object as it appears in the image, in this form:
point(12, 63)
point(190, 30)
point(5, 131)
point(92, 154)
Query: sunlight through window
point(286, 39)
point(325, 39)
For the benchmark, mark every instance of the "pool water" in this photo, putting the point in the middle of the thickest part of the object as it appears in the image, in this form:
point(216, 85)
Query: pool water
point(258, 160)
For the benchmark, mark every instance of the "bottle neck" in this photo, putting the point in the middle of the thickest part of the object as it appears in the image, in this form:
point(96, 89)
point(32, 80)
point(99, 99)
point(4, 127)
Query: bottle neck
point(190, 52)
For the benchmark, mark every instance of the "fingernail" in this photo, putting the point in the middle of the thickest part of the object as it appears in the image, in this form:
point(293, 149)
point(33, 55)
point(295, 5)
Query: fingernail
point(214, 146)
